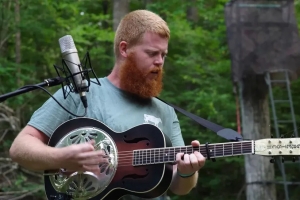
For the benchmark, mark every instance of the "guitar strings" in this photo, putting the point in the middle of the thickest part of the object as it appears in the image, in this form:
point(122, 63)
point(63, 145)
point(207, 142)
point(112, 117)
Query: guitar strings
point(130, 161)
point(146, 152)
point(144, 159)
point(233, 145)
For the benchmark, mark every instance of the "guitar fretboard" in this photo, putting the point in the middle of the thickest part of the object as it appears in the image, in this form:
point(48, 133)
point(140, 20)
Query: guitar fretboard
point(168, 155)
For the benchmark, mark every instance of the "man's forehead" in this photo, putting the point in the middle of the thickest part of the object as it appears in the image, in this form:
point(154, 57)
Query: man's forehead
point(153, 39)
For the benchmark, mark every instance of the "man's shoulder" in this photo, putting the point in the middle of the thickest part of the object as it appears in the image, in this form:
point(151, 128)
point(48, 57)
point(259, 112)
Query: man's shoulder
point(162, 103)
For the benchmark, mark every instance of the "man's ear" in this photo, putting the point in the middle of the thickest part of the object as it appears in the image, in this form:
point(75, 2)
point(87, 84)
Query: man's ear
point(123, 49)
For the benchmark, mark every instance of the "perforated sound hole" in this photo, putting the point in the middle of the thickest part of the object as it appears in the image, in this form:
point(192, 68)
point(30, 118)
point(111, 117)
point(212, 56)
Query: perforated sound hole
point(83, 137)
point(85, 185)
point(81, 185)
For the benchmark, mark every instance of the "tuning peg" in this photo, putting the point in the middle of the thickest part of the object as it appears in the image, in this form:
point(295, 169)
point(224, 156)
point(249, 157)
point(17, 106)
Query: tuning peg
point(272, 160)
point(271, 135)
point(282, 159)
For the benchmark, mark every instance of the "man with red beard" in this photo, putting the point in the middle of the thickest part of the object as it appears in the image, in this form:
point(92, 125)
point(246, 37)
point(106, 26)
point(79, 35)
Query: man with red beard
point(125, 99)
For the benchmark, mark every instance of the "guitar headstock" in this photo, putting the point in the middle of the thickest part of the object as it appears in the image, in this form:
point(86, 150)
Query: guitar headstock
point(277, 147)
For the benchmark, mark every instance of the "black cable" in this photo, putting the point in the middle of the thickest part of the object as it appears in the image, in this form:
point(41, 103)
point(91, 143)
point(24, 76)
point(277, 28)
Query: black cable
point(30, 86)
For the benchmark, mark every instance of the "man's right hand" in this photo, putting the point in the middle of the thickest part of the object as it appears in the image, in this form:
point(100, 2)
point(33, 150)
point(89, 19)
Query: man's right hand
point(81, 157)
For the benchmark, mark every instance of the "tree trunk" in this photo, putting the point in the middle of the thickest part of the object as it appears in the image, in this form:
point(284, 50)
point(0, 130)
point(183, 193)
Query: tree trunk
point(192, 11)
point(256, 125)
point(5, 24)
point(18, 49)
point(120, 8)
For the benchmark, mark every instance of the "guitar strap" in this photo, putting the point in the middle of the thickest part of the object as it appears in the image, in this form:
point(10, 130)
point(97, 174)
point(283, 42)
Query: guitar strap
point(226, 133)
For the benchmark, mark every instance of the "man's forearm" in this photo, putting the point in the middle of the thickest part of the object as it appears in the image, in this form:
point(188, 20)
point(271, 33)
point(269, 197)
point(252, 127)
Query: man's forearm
point(182, 186)
point(33, 154)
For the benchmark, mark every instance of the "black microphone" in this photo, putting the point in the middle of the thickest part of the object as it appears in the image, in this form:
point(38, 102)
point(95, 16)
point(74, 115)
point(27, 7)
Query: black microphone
point(70, 56)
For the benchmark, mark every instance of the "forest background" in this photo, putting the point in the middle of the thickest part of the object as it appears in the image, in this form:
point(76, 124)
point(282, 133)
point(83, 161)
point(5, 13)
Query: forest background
point(197, 77)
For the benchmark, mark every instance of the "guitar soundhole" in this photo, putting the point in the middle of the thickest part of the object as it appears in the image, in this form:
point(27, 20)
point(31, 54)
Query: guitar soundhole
point(105, 168)
point(107, 171)
point(85, 185)
point(83, 137)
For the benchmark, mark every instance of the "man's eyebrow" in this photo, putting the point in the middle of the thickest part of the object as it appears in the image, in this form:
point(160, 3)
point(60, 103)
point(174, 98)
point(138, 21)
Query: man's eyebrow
point(156, 51)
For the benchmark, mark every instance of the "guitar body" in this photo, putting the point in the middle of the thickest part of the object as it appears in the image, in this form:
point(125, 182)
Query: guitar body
point(146, 181)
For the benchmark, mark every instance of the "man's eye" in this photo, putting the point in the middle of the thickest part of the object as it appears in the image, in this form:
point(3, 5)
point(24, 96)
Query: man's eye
point(151, 53)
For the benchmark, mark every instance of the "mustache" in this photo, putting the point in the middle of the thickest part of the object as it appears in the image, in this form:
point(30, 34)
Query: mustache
point(156, 70)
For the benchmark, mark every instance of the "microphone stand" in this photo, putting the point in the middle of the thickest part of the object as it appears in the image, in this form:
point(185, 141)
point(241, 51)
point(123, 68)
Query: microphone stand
point(47, 83)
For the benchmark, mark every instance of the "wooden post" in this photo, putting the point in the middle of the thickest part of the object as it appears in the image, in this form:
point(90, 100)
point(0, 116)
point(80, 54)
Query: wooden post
point(259, 172)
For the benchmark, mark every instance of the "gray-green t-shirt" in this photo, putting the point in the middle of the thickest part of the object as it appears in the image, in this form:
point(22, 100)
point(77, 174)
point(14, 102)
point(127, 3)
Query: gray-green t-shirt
point(117, 109)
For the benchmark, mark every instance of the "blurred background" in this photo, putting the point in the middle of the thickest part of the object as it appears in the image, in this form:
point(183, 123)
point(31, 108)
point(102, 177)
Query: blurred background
point(235, 63)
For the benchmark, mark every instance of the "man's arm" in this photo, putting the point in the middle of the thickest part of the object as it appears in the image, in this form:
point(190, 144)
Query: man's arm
point(185, 172)
point(29, 149)
point(182, 186)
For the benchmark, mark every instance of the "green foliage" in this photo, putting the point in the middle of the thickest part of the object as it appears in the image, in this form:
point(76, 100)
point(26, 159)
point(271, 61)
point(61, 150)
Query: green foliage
point(197, 69)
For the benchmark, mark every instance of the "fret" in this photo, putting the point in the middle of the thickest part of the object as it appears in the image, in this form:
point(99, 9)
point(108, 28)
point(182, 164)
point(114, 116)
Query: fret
point(157, 157)
point(215, 150)
point(219, 150)
point(166, 155)
point(145, 158)
point(231, 148)
point(140, 157)
point(148, 156)
point(241, 148)
point(134, 159)
point(227, 148)
point(223, 150)
point(144, 155)
point(174, 154)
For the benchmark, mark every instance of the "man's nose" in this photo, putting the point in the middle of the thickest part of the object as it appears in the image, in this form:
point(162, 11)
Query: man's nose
point(159, 60)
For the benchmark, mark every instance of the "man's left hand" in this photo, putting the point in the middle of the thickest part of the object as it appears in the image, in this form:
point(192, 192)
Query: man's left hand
point(190, 163)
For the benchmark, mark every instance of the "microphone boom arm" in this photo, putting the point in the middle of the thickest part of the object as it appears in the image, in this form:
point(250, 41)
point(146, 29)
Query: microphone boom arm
point(47, 83)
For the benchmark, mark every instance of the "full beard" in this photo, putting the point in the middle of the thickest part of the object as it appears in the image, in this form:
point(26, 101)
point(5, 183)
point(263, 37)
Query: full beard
point(134, 81)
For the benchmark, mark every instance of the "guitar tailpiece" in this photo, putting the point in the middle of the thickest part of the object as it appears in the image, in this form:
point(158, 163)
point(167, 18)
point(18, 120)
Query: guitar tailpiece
point(208, 153)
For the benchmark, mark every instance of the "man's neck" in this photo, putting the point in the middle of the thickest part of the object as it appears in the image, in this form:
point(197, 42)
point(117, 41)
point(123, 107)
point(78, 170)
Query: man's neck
point(114, 76)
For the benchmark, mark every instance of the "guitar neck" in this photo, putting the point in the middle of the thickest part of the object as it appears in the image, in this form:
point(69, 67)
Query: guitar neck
point(168, 155)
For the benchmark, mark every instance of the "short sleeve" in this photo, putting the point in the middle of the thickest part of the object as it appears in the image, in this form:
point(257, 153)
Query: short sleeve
point(176, 138)
point(50, 115)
